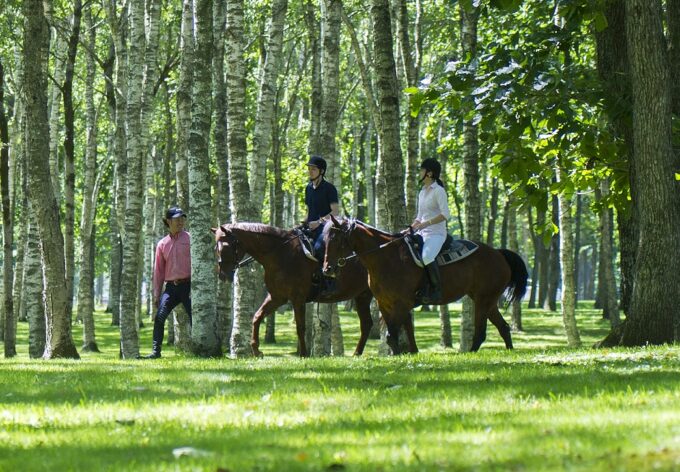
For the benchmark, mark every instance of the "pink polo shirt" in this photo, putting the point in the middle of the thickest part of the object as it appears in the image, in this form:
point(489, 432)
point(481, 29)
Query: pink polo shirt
point(173, 260)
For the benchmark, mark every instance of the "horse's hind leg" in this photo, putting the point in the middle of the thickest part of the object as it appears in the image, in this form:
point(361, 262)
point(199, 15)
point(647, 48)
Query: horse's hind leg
point(363, 304)
point(267, 308)
point(481, 309)
point(502, 326)
point(299, 310)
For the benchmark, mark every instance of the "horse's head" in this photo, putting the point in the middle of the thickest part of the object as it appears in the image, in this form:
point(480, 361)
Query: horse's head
point(228, 252)
point(337, 237)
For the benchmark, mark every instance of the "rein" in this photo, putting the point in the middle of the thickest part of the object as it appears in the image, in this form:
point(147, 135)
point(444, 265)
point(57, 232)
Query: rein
point(343, 260)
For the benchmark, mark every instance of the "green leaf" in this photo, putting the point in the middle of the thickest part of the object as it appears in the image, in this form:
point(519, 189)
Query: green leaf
point(600, 21)
point(677, 176)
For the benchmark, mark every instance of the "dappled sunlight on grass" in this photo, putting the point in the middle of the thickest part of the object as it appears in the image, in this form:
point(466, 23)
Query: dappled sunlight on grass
point(542, 406)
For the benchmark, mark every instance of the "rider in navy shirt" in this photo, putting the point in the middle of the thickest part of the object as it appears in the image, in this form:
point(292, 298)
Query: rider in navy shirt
point(321, 198)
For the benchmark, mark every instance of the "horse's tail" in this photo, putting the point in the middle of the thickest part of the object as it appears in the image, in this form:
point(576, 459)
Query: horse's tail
point(519, 276)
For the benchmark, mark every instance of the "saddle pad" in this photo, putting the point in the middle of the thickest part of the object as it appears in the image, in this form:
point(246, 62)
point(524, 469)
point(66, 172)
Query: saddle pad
point(452, 250)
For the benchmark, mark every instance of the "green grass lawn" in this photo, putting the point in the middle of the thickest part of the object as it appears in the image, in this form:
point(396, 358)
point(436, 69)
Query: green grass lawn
point(542, 406)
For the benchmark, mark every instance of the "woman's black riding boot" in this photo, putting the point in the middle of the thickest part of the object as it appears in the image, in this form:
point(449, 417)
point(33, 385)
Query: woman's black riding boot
point(434, 295)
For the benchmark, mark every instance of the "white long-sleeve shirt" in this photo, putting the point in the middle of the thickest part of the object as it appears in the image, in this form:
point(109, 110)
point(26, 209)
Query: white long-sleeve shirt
point(432, 201)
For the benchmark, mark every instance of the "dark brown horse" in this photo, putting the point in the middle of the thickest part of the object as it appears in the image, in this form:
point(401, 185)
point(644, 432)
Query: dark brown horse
point(288, 276)
point(394, 278)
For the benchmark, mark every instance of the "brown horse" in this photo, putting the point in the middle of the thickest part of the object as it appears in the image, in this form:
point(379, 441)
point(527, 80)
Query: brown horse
point(394, 278)
point(288, 276)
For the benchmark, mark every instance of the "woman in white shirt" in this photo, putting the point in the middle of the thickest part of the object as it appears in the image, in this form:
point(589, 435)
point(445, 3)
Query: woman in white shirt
point(430, 223)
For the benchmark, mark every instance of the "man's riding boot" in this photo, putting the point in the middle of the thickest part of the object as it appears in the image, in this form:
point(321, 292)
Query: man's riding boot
point(158, 331)
point(155, 351)
point(434, 293)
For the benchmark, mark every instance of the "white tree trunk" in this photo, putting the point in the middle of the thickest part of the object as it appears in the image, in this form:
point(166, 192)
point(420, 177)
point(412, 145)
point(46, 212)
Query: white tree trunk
point(567, 262)
point(607, 279)
point(513, 245)
point(473, 216)
point(129, 336)
point(221, 159)
point(392, 166)
point(268, 80)
point(204, 329)
point(86, 280)
point(33, 293)
point(183, 99)
point(245, 285)
point(59, 341)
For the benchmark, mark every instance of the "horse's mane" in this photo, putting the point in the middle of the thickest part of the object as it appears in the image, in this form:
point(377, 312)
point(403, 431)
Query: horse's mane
point(259, 228)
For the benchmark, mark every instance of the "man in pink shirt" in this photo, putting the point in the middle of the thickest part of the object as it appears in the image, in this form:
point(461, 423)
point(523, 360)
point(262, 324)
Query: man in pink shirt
point(172, 267)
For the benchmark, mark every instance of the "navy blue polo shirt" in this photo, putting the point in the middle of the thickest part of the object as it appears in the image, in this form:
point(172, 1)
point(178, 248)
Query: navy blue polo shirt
point(319, 199)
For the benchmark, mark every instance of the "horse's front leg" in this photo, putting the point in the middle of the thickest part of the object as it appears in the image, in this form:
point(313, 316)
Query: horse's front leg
point(363, 306)
point(410, 335)
point(299, 311)
point(267, 308)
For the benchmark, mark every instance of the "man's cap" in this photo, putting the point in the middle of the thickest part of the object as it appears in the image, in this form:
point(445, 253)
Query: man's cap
point(174, 212)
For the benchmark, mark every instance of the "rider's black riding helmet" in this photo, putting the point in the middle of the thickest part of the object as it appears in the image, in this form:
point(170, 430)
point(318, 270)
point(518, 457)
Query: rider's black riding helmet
point(319, 162)
point(433, 166)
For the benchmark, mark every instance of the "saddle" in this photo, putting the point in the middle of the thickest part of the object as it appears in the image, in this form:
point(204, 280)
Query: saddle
point(452, 250)
point(307, 243)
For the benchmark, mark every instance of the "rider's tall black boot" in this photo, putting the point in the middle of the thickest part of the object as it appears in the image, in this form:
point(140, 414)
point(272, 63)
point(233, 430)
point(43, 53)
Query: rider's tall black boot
point(434, 293)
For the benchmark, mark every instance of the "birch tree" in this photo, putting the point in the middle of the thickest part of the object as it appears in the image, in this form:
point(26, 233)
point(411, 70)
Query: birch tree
point(59, 342)
point(69, 151)
point(390, 159)
point(242, 209)
point(567, 263)
point(89, 192)
point(9, 334)
point(221, 158)
point(204, 328)
point(472, 196)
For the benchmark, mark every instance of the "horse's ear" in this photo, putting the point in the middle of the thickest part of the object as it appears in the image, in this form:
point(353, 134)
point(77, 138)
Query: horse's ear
point(213, 230)
point(224, 229)
point(335, 222)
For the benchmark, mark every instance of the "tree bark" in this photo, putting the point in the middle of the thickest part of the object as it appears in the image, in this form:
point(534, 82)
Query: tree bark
point(221, 158)
point(183, 99)
point(550, 302)
point(33, 286)
point(242, 209)
point(69, 153)
point(673, 21)
point(206, 342)
point(614, 71)
point(656, 293)
point(513, 245)
point(473, 211)
point(567, 262)
point(9, 334)
point(59, 342)
point(86, 279)
point(391, 167)
point(411, 58)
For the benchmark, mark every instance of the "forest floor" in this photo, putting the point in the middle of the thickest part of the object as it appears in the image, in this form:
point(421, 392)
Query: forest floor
point(542, 406)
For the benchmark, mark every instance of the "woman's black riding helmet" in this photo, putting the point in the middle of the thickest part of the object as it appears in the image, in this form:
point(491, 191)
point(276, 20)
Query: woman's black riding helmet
point(433, 166)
